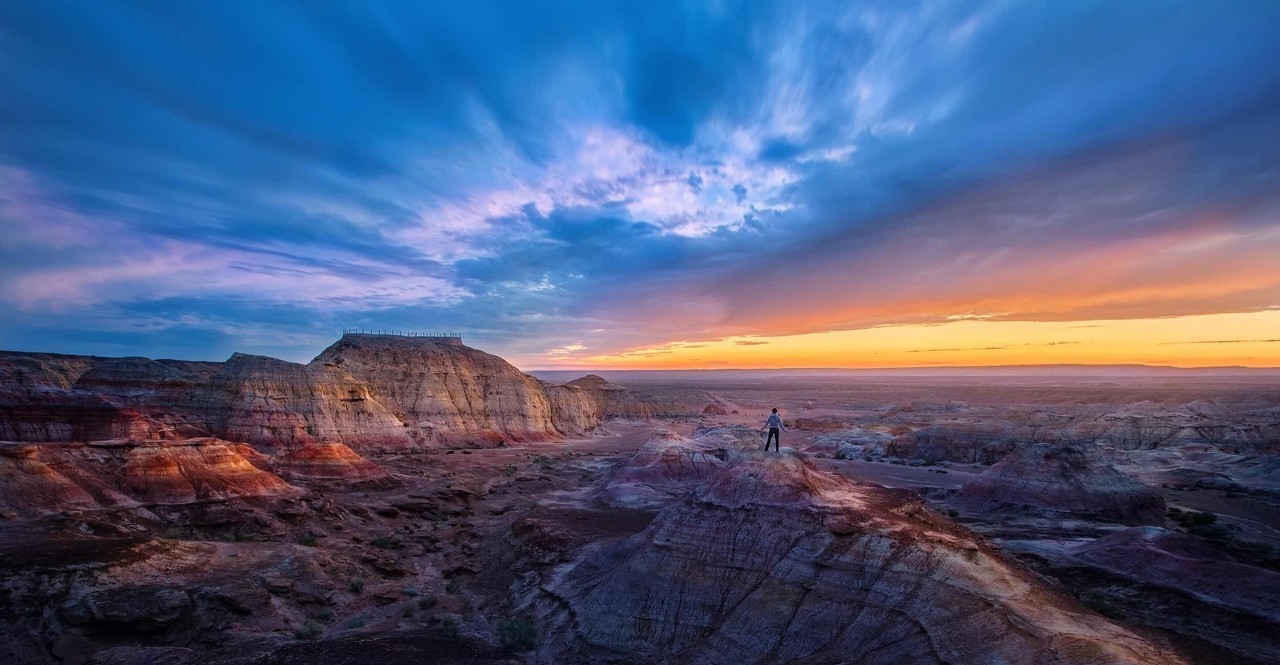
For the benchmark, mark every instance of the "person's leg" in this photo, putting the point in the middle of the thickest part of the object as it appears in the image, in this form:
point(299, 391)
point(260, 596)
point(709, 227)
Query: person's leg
point(773, 438)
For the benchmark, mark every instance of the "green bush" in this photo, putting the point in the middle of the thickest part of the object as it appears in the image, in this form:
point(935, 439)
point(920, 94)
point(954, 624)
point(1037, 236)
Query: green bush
point(509, 470)
point(356, 585)
point(308, 631)
point(1211, 531)
point(518, 634)
point(356, 623)
point(426, 602)
point(386, 542)
point(453, 586)
point(1261, 549)
point(307, 539)
point(1103, 606)
point(1203, 518)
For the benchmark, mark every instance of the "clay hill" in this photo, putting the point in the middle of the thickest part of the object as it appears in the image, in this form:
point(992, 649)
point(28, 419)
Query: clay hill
point(1061, 479)
point(121, 476)
point(774, 560)
point(369, 392)
point(669, 465)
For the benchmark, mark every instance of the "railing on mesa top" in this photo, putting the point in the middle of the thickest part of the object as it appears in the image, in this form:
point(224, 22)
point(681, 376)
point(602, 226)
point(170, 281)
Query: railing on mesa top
point(402, 333)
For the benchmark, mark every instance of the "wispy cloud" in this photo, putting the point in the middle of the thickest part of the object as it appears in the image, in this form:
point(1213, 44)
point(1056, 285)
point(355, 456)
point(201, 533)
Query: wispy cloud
point(543, 174)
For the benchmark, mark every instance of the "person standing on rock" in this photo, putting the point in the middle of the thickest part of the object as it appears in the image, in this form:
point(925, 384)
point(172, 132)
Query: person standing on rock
point(773, 424)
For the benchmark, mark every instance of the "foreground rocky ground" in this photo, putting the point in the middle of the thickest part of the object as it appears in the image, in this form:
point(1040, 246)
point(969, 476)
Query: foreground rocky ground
point(902, 523)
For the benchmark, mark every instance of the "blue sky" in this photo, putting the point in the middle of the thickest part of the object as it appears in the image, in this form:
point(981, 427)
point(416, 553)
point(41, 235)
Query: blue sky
point(565, 180)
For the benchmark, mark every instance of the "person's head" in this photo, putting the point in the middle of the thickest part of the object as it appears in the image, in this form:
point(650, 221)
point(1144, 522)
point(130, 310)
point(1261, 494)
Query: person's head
point(775, 409)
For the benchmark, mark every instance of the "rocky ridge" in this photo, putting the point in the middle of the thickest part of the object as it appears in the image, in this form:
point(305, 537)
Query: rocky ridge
point(774, 560)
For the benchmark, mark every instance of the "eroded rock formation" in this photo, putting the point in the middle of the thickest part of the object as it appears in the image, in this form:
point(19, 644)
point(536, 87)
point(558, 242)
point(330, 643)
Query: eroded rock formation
point(776, 561)
point(667, 466)
point(370, 392)
point(1065, 480)
point(964, 443)
point(37, 479)
point(332, 462)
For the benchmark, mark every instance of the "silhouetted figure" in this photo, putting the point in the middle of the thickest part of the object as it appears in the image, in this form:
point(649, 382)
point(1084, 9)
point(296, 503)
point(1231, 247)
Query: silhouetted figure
point(774, 424)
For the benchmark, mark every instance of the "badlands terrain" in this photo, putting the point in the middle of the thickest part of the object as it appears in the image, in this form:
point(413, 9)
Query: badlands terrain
point(413, 500)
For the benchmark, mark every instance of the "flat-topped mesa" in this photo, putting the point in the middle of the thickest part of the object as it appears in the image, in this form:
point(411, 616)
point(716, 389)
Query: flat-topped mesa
point(436, 337)
point(440, 390)
point(775, 560)
point(368, 391)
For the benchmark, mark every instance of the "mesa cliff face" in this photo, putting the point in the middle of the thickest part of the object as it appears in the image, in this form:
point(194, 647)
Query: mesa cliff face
point(774, 560)
point(369, 392)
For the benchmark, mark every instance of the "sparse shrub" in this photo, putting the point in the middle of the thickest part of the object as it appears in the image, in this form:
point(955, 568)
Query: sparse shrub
point(409, 591)
point(308, 631)
point(541, 461)
point(307, 539)
point(449, 628)
point(509, 470)
point(325, 615)
point(1102, 606)
point(426, 602)
point(518, 634)
point(356, 623)
point(238, 535)
point(386, 542)
point(356, 585)
point(1260, 549)
point(1210, 531)
point(1202, 517)
point(407, 611)
point(453, 586)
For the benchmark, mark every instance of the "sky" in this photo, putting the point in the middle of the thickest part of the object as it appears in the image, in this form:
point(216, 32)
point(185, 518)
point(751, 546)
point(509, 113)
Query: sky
point(646, 184)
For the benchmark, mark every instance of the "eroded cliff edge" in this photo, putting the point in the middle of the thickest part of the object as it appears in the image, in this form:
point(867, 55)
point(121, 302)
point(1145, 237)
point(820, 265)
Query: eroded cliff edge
point(367, 391)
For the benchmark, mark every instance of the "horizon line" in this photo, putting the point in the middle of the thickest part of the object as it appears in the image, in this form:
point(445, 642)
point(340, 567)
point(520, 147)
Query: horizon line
point(1234, 368)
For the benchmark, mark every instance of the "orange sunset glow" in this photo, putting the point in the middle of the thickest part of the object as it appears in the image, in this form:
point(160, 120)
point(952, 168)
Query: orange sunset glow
point(1248, 340)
